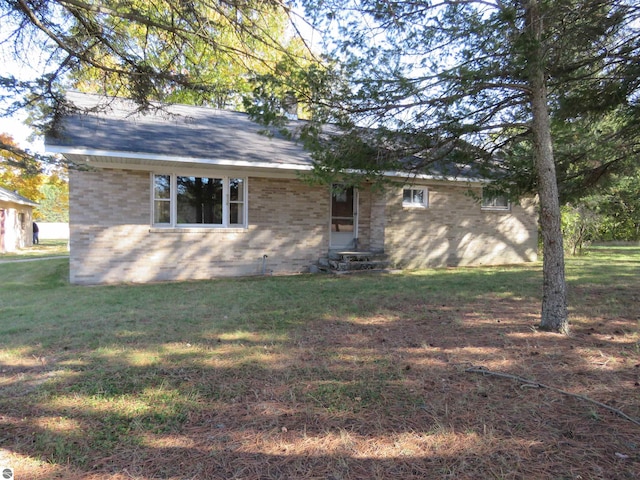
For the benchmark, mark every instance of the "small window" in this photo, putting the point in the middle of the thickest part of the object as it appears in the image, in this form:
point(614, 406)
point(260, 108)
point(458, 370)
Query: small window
point(162, 199)
point(495, 202)
point(415, 197)
point(236, 201)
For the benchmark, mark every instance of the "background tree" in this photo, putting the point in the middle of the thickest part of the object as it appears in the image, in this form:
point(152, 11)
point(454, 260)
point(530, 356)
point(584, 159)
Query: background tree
point(580, 226)
point(24, 175)
point(53, 205)
point(486, 84)
point(212, 74)
point(619, 206)
point(19, 174)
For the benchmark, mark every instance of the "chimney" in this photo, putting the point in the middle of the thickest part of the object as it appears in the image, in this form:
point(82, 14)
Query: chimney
point(290, 106)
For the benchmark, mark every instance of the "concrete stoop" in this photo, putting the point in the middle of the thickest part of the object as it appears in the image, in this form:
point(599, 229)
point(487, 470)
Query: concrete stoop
point(341, 262)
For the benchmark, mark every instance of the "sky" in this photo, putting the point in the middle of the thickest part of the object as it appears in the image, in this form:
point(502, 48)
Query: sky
point(15, 126)
point(20, 133)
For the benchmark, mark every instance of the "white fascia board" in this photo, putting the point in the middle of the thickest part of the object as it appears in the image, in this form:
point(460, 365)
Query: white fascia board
point(290, 167)
point(177, 159)
point(11, 197)
point(24, 203)
point(409, 177)
point(421, 176)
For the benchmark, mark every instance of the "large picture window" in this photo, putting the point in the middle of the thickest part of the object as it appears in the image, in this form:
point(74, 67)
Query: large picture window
point(199, 201)
point(183, 201)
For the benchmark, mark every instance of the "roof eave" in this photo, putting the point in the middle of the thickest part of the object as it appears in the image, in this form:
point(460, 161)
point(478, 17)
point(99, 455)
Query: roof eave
point(128, 157)
point(19, 201)
point(125, 157)
point(410, 177)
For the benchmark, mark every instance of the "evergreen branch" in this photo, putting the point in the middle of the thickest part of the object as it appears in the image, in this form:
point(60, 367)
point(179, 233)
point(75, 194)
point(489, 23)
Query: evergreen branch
point(533, 384)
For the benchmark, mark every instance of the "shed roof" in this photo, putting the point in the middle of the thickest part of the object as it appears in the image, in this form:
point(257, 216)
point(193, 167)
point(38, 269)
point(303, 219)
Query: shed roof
point(14, 197)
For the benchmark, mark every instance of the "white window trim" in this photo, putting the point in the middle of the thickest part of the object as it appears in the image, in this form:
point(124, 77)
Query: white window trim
point(425, 198)
point(226, 201)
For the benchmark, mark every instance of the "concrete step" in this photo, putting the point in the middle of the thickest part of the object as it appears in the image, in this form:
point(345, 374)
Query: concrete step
point(359, 265)
point(352, 256)
point(352, 261)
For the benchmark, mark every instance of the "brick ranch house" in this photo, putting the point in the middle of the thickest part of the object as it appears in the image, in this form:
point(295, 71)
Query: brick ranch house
point(16, 221)
point(195, 193)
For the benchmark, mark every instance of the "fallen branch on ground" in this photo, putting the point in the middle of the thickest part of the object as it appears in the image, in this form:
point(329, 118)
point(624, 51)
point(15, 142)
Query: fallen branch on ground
point(533, 384)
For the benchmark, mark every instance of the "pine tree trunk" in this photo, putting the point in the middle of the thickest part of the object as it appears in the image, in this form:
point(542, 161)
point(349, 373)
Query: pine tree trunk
point(554, 316)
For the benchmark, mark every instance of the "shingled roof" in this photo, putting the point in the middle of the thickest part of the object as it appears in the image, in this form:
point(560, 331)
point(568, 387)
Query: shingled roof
point(113, 130)
point(14, 197)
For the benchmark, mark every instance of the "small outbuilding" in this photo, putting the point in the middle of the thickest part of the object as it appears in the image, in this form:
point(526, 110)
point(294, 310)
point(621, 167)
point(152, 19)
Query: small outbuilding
point(16, 221)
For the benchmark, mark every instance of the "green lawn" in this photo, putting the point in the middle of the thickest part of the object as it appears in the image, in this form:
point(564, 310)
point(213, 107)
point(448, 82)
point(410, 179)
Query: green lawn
point(46, 248)
point(319, 376)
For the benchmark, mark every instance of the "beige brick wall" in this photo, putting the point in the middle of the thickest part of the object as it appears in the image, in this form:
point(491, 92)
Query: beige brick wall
point(111, 239)
point(454, 230)
point(371, 219)
point(112, 242)
point(364, 219)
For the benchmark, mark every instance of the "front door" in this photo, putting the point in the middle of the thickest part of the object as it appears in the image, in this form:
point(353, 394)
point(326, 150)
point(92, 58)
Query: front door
point(344, 218)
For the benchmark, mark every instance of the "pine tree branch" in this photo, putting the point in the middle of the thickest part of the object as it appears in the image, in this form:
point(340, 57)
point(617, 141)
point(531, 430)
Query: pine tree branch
point(533, 384)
